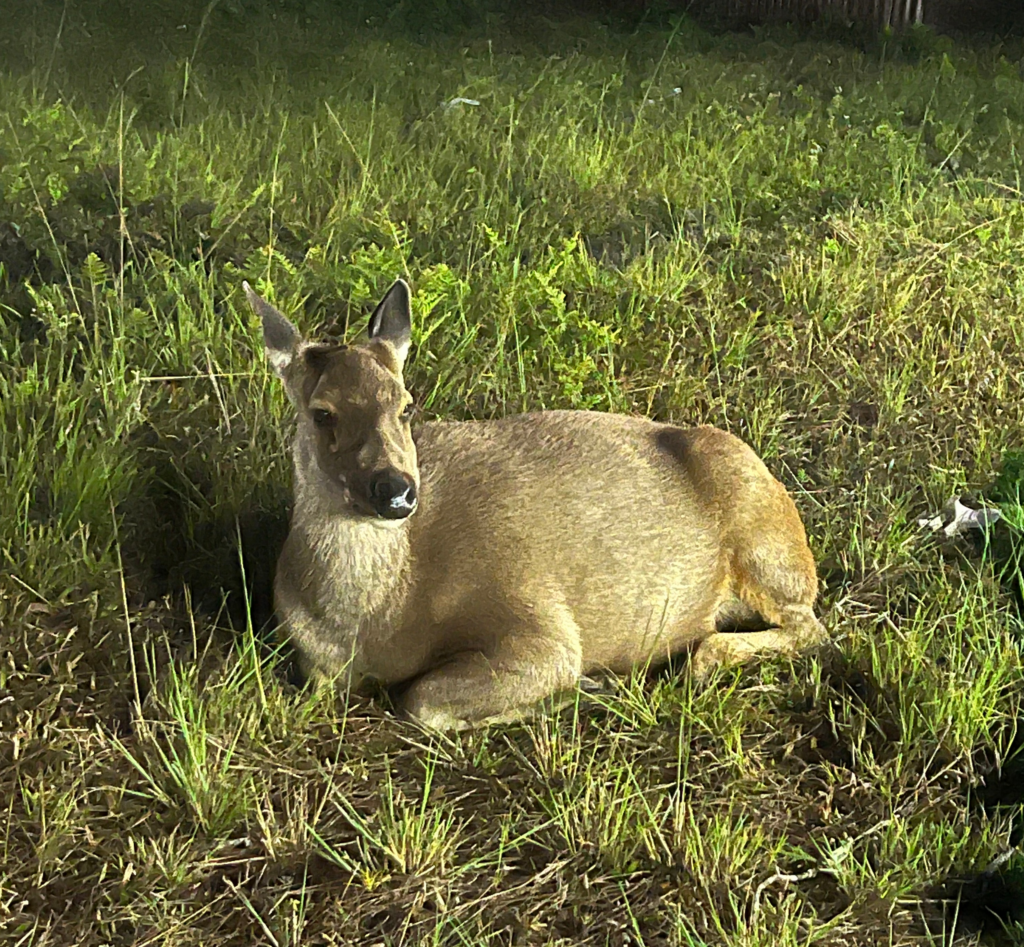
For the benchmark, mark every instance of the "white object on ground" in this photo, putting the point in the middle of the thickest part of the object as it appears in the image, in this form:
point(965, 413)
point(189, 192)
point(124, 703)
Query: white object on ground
point(956, 519)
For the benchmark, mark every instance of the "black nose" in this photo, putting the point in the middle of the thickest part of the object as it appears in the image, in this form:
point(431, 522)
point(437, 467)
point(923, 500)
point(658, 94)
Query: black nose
point(393, 494)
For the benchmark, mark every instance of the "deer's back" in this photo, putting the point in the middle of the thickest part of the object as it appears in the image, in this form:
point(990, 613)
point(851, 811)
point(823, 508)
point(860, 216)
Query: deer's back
point(623, 521)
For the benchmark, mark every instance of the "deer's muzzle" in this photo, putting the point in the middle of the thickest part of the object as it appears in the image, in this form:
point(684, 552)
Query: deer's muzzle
point(392, 494)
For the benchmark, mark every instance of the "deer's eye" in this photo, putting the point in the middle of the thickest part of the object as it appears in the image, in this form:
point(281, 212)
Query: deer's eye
point(323, 418)
point(408, 412)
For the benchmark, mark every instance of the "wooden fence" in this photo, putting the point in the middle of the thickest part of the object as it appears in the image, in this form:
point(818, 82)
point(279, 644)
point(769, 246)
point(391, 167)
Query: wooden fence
point(896, 14)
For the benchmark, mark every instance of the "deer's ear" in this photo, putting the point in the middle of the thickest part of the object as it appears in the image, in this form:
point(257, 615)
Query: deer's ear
point(280, 336)
point(392, 320)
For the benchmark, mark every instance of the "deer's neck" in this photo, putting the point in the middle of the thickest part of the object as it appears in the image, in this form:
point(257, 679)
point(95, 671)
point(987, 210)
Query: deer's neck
point(360, 565)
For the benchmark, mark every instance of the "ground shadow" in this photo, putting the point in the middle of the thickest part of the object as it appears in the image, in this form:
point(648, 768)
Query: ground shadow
point(987, 904)
point(220, 557)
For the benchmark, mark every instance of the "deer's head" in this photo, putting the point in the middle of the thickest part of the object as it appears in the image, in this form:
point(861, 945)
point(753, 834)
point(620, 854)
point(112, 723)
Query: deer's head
point(353, 408)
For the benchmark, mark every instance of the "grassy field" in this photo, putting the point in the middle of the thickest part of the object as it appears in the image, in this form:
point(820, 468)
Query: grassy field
point(812, 241)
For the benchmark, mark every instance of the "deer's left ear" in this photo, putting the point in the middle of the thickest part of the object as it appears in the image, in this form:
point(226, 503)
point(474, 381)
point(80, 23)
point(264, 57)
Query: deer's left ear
point(391, 321)
point(280, 336)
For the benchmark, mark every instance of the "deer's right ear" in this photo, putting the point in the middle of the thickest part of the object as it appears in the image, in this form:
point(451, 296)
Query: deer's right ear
point(280, 336)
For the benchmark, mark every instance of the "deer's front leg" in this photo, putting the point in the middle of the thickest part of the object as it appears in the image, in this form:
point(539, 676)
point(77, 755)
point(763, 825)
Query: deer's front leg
point(474, 688)
point(323, 652)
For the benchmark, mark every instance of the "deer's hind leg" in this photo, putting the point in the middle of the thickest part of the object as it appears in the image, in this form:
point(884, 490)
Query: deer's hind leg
point(773, 577)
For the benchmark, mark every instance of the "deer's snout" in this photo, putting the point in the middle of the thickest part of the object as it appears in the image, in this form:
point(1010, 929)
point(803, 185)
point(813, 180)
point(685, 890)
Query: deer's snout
point(392, 494)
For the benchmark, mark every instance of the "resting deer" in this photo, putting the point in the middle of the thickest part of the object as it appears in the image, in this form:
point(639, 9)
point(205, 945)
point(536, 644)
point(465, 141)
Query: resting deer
point(490, 564)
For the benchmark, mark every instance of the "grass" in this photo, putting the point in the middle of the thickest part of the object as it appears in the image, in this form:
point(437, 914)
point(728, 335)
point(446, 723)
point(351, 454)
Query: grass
point(811, 240)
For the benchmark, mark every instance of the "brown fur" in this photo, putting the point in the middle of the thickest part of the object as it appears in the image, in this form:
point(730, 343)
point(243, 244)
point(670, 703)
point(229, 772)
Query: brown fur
point(543, 547)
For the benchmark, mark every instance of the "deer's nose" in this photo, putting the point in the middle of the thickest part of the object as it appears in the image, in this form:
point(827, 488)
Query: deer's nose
point(392, 494)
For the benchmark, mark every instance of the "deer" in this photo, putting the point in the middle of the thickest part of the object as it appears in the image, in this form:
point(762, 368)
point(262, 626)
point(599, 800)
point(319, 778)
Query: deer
point(478, 568)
